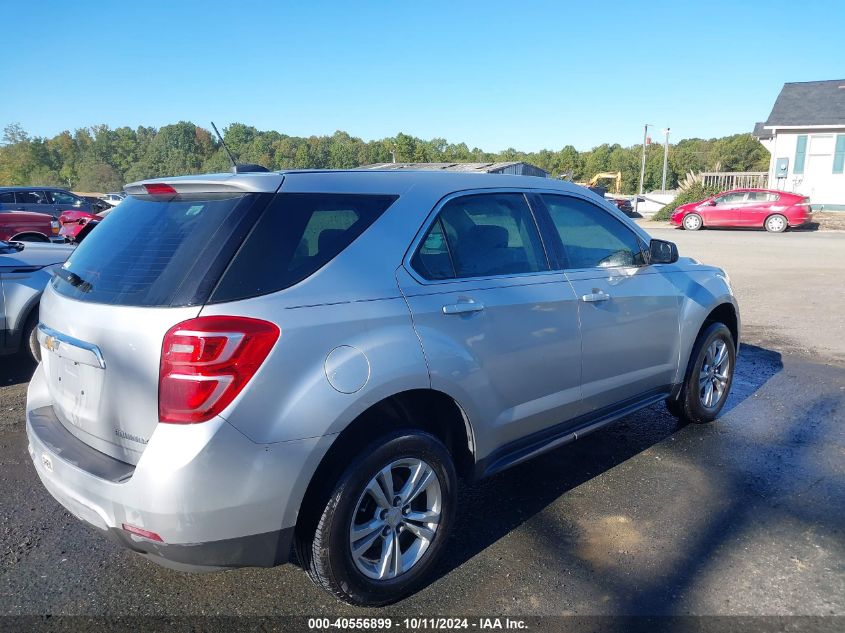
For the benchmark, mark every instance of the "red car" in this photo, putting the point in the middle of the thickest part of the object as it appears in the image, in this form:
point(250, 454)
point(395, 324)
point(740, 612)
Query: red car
point(767, 208)
point(26, 226)
point(74, 223)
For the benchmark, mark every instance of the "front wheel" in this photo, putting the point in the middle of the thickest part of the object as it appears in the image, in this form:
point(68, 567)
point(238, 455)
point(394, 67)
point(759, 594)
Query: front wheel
point(776, 223)
point(385, 521)
point(692, 222)
point(709, 376)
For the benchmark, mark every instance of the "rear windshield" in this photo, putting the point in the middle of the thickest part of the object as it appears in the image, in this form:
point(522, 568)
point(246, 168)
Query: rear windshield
point(298, 234)
point(154, 251)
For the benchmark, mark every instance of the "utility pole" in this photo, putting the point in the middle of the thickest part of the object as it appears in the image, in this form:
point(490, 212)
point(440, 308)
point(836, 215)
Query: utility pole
point(665, 159)
point(642, 167)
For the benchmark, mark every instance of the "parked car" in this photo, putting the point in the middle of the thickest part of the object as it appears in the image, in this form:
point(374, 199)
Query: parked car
point(23, 226)
point(25, 270)
point(767, 208)
point(237, 362)
point(624, 205)
point(74, 226)
point(114, 198)
point(42, 200)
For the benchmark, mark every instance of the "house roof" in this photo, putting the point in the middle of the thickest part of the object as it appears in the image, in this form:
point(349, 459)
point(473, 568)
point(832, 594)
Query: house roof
point(809, 103)
point(760, 132)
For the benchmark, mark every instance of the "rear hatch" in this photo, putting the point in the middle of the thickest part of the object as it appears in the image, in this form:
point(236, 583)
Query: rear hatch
point(150, 264)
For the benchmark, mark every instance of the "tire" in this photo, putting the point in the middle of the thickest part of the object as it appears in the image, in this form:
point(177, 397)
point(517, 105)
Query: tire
point(29, 337)
point(327, 553)
point(692, 222)
point(776, 223)
point(692, 403)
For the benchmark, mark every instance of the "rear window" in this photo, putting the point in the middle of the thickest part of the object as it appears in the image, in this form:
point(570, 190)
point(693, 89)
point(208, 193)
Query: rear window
point(298, 234)
point(154, 251)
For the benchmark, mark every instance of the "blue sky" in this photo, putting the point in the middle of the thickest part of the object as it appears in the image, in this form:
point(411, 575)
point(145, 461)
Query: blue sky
point(528, 75)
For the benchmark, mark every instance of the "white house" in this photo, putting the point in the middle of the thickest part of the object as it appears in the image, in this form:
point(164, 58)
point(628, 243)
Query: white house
point(805, 134)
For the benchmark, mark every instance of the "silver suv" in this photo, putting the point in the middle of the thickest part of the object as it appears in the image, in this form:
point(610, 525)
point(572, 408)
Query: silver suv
point(241, 363)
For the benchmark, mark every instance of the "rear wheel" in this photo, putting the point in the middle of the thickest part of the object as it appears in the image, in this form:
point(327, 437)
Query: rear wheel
point(709, 376)
point(385, 521)
point(692, 222)
point(29, 337)
point(776, 223)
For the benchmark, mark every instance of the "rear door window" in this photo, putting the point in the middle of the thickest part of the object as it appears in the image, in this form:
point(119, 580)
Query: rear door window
point(486, 235)
point(298, 234)
point(32, 197)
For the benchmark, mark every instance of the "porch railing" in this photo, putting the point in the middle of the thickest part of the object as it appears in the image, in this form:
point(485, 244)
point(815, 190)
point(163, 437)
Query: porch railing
point(725, 180)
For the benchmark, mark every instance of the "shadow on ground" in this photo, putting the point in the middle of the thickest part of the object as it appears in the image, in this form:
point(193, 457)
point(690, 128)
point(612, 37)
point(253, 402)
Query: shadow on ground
point(493, 508)
point(16, 369)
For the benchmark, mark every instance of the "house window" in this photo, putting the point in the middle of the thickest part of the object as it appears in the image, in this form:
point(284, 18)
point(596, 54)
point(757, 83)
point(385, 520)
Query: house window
point(800, 154)
point(839, 155)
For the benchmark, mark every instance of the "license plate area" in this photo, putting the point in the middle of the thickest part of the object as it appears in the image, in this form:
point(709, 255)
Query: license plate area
point(75, 389)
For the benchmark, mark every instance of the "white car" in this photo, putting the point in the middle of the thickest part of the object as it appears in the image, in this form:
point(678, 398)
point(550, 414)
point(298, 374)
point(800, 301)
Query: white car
point(113, 199)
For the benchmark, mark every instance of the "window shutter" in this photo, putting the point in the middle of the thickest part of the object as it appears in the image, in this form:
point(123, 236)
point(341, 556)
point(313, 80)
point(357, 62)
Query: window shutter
point(800, 154)
point(839, 155)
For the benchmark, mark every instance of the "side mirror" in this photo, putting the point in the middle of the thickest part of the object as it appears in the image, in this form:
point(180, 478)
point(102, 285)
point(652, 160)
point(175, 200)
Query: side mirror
point(712, 203)
point(662, 252)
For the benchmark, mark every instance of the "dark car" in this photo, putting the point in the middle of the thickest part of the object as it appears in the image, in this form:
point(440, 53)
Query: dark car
point(624, 206)
point(49, 200)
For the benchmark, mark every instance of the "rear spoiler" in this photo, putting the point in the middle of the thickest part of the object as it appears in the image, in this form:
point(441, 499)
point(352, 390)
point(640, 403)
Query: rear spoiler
point(253, 182)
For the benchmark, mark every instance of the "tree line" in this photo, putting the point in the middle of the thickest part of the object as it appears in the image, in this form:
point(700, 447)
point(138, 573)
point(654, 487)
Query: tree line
point(102, 159)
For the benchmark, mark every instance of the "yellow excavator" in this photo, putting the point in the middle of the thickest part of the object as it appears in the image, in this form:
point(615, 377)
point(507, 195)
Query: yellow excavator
point(616, 176)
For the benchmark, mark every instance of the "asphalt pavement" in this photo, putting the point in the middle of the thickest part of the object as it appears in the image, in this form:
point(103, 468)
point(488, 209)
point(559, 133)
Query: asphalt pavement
point(646, 517)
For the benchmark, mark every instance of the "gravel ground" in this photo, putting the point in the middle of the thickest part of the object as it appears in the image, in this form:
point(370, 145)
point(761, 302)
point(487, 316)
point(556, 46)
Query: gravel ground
point(647, 517)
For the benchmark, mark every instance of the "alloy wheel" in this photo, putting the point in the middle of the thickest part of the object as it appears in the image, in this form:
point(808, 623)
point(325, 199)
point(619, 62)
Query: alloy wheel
point(715, 374)
point(395, 519)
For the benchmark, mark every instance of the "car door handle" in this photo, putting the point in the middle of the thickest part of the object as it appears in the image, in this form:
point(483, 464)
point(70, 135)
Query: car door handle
point(594, 297)
point(465, 307)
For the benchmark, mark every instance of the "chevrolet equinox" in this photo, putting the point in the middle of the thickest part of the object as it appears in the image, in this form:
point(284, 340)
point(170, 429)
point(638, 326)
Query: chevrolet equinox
point(238, 365)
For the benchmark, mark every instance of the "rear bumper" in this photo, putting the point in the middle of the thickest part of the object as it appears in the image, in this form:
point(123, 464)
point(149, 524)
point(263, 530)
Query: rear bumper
point(256, 550)
point(800, 219)
point(216, 499)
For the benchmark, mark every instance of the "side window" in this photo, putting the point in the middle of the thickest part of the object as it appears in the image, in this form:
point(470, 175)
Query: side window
point(590, 236)
point(7, 197)
point(297, 234)
point(433, 260)
point(62, 197)
point(761, 196)
point(31, 197)
point(731, 198)
point(492, 234)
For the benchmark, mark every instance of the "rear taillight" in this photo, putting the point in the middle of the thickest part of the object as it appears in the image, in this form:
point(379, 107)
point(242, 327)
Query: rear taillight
point(206, 362)
point(159, 189)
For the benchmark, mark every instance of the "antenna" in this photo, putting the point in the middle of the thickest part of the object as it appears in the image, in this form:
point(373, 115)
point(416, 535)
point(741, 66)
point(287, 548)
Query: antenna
point(236, 168)
point(223, 143)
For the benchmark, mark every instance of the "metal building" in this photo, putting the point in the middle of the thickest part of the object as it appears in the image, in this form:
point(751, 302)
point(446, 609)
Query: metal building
point(513, 168)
